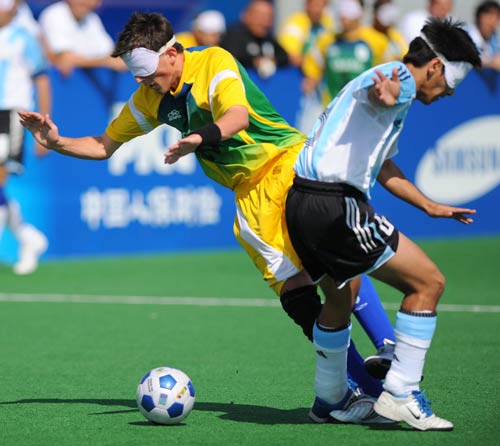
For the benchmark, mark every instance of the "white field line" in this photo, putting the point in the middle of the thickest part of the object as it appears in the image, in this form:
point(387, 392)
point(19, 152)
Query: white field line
point(200, 301)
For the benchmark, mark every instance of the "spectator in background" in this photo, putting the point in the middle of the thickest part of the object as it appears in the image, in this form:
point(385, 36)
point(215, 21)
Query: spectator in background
point(301, 31)
point(412, 22)
point(76, 37)
point(354, 49)
point(300, 36)
point(484, 33)
point(385, 16)
point(206, 30)
point(24, 17)
point(23, 73)
point(251, 40)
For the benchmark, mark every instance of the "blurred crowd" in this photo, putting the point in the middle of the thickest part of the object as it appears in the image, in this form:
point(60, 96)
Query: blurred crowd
point(326, 32)
point(329, 41)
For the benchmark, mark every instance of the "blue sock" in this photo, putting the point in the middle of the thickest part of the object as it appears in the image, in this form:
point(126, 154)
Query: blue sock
point(357, 372)
point(3, 198)
point(371, 314)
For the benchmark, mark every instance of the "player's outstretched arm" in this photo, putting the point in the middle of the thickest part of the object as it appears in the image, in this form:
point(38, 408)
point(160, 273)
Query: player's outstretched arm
point(396, 183)
point(46, 133)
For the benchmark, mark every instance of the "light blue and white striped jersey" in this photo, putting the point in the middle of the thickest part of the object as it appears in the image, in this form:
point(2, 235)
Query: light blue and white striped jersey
point(21, 60)
point(353, 137)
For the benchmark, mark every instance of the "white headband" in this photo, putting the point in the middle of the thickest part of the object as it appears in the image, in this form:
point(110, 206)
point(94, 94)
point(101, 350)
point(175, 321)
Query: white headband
point(143, 62)
point(454, 72)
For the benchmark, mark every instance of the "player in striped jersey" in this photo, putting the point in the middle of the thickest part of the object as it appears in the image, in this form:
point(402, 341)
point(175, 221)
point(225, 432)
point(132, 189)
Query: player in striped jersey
point(338, 235)
point(239, 139)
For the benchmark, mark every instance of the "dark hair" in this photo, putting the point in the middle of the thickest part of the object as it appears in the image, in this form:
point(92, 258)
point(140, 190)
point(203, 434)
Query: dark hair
point(486, 7)
point(145, 30)
point(448, 38)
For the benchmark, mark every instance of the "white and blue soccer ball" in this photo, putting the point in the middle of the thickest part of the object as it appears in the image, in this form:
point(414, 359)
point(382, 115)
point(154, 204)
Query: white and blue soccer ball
point(165, 395)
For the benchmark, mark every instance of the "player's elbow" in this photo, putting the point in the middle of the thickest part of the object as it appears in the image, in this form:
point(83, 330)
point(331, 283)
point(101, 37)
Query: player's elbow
point(245, 122)
point(240, 117)
point(243, 118)
point(107, 146)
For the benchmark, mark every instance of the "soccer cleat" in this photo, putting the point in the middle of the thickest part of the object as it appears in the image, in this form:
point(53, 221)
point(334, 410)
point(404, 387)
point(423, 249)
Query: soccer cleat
point(355, 407)
point(360, 412)
point(414, 409)
point(320, 411)
point(32, 245)
point(378, 365)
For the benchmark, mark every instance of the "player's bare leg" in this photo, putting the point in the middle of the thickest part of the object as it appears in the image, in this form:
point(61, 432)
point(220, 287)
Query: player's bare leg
point(421, 282)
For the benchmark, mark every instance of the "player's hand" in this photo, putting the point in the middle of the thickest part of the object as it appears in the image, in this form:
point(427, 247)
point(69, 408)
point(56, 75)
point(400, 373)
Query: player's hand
point(42, 127)
point(386, 91)
point(115, 63)
point(182, 147)
point(66, 63)
point(309, 85)
point(444, 211)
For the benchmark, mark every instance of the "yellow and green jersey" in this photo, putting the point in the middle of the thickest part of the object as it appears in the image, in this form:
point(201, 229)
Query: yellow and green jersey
point(300, 37)
point(212, 82)
point(397, 46)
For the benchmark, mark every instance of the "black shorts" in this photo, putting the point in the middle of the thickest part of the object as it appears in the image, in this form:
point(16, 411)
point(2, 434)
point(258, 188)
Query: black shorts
point(335, 231)
point(11, 140)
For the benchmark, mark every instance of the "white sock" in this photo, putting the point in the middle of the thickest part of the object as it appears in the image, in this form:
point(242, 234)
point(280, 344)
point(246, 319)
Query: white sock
point(330, 382)
point(413, 338)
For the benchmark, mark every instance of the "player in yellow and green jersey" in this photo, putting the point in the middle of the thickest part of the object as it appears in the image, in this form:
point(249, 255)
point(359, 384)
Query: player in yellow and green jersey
point(239, 139)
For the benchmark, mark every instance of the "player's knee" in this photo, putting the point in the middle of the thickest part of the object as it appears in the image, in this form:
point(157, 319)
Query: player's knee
point(303, 306)
point(432, 289)
point(438, 284)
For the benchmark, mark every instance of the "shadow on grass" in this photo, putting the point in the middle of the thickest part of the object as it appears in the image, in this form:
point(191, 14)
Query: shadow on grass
point(248, 413)
point(101, 402)
point(244, 413)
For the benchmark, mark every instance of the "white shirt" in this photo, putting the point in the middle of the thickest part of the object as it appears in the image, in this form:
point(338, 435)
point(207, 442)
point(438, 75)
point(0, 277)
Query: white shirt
point(24, 17)
point(488, 48)
point(353, 137)
point(21, 59)
point(63, 32)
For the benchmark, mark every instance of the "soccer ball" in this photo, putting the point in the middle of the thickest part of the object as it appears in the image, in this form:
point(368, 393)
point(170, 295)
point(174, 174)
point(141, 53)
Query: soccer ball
point(165, 395)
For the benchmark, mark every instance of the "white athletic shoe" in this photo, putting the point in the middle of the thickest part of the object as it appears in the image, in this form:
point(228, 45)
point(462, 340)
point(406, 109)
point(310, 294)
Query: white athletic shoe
point(413, 409)
point(32, 245)
point(378, 365)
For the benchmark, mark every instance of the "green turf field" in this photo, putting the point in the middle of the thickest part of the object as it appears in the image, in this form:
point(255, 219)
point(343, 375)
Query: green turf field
point(77, 336)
